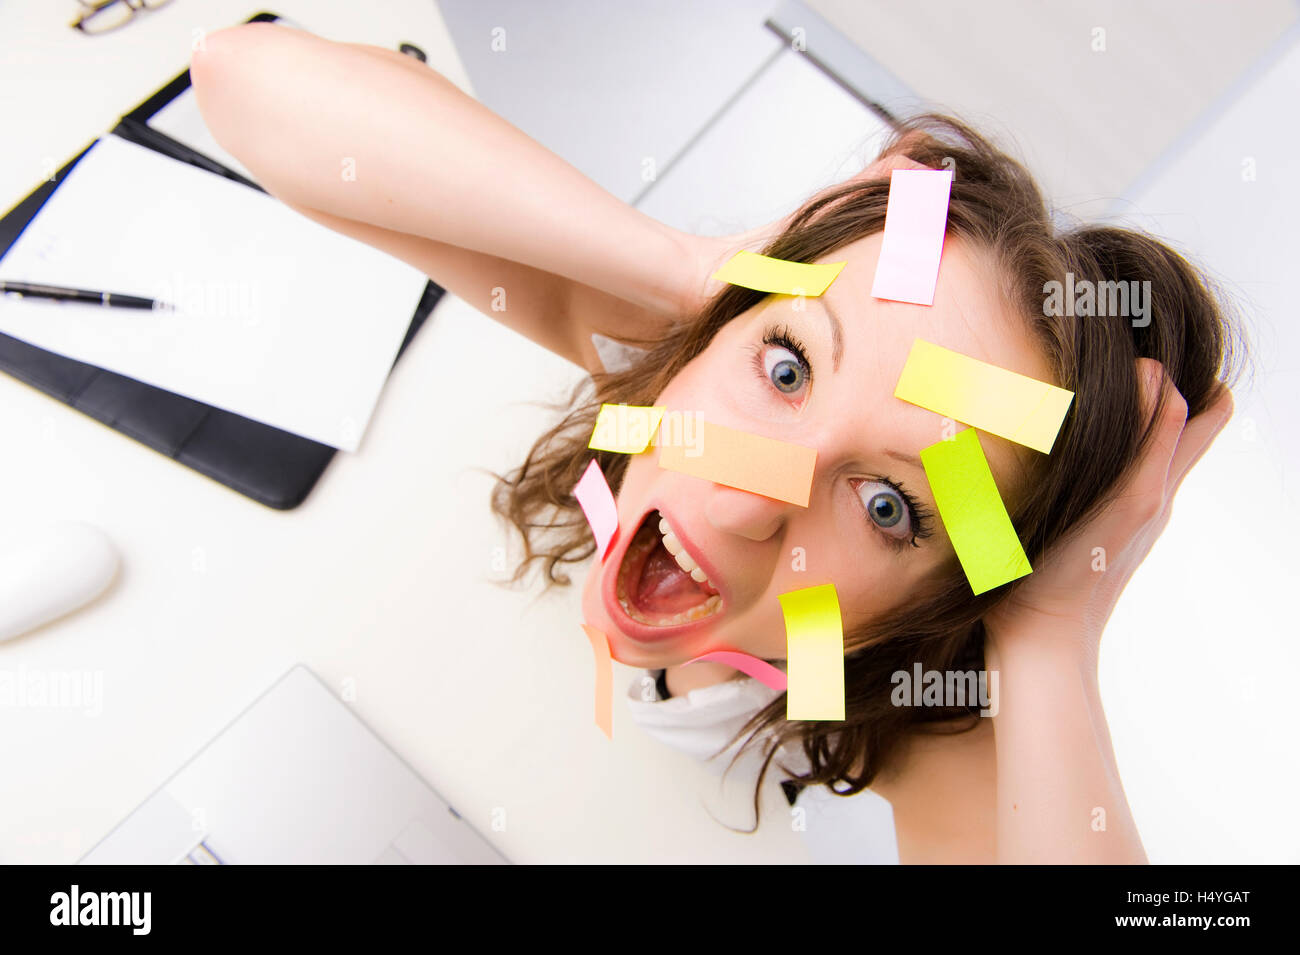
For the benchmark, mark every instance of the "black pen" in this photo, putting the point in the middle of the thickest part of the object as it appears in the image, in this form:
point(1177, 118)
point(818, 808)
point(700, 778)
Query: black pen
point(111, 299)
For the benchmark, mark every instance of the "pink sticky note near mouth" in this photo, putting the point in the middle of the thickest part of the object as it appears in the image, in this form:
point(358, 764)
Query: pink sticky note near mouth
point(597, 502)
point(760, 670)
point(604, 680)
point(915, 223)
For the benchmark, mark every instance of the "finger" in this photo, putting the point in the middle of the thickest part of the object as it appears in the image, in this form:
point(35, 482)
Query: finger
point(1198, 436)
point(1153, 473)
point(883, 166)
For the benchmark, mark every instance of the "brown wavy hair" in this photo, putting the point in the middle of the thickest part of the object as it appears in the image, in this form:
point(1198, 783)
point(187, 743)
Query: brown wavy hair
point(996, 207)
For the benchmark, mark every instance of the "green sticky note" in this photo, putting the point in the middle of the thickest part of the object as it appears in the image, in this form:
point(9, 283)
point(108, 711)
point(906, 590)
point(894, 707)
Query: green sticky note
point(973, 513)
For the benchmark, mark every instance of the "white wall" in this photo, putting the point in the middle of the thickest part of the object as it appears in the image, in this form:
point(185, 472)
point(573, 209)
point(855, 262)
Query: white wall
point(1199, 660)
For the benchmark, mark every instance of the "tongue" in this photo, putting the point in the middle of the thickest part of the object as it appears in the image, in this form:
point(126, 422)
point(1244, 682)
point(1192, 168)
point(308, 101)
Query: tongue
point(664, 587)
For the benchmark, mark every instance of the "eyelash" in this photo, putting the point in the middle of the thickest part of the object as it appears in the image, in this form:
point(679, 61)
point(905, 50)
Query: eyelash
point(919, 516)
point(783, 336)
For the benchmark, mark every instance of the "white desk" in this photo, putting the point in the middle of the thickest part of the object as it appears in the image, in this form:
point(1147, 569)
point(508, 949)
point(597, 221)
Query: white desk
point(381, 581)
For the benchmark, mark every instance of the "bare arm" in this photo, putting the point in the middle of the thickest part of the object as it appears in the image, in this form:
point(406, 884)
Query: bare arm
point(1059, 796)
point(444, 184)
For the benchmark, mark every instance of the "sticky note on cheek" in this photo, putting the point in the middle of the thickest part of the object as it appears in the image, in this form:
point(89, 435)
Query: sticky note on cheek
point(604, 680)
point(1012, 406)
point(814, 636)
point(746, 461)
point(766, 274)
point(626, 429)
point(915, 223)
point(598, 504)
point(973, 513)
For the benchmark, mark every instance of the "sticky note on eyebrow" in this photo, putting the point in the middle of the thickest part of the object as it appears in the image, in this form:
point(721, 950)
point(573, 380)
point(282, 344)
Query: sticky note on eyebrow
point(604, 680)
point(1012, 406)
point(626, 429)
point(597, 502)
point(973, 513)
point(915, 223)
point(814, 636)
point(766, 274)
point(746, 461)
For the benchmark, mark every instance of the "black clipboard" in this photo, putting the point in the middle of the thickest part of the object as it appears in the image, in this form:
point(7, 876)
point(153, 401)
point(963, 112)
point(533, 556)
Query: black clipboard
point(273, 467)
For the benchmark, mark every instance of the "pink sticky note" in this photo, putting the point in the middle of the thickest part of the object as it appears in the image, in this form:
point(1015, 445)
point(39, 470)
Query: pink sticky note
point(760, 670)
point(597, 502)
point(915, 223)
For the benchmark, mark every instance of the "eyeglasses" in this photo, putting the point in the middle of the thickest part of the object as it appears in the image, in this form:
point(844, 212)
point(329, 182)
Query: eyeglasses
point(101, 16)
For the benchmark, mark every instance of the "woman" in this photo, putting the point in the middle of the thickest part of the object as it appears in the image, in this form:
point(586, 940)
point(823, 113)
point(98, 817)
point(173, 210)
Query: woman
point(447, 186)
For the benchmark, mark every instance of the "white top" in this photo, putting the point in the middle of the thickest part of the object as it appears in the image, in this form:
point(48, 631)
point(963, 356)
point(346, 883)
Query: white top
point(836, 829)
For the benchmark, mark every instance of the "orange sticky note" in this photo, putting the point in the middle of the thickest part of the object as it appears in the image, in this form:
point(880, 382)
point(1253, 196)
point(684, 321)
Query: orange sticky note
point(746, 461)
point(814, 636)
point(604, 680)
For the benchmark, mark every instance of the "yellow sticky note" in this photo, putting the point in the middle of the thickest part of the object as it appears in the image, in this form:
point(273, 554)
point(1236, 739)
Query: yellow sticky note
point(984, 396)
point(746, 461)
point(766, 274)
point(973, 513)
point(814, 635)
point(626, 429)
point(604, 680)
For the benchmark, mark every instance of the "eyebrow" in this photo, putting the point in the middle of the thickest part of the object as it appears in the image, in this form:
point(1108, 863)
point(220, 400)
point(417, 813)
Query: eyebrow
point(905, 458)
point(837, 333)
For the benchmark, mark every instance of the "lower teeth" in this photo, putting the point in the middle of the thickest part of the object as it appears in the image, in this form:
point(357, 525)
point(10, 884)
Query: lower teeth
point(686, 616)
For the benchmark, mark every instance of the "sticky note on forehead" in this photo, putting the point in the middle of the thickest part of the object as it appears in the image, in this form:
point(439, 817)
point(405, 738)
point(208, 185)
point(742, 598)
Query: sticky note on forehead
point(915, 223)
point(766, 274)
point(1012, 406)
point(814, 635)
point(626, 429)
point(973, 513)
point(746, 461)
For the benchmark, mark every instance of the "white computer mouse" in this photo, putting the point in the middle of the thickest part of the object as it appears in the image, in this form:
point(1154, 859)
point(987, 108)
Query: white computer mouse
point(49, 570)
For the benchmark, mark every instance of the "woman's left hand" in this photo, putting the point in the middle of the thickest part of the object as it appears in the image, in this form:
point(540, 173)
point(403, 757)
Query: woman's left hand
point(1075, 586)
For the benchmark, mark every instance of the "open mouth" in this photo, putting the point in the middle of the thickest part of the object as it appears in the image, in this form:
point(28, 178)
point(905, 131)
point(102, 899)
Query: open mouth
point(659, 584)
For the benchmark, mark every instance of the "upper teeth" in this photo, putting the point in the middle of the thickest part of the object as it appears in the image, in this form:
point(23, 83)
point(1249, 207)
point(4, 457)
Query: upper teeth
point(684, 560)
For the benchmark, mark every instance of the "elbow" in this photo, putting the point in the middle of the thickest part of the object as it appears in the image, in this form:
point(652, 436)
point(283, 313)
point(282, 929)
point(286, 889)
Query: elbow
point(226, 67)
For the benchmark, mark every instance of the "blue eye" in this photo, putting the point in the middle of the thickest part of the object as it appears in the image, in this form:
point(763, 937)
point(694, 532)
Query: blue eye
point(887, 508)
point(784, 369)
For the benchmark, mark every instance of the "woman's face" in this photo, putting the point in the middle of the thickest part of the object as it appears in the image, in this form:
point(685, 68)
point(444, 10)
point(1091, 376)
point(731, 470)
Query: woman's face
point(871, 527)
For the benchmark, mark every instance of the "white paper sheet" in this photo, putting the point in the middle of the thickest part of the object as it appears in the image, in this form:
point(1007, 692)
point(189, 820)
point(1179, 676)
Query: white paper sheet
point(278, 318)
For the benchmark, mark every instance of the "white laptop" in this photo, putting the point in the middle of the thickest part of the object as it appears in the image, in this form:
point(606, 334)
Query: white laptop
point(296, 778)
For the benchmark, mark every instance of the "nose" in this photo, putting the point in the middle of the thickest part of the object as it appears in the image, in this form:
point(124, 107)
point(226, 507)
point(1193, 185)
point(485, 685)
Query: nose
point(745, 514)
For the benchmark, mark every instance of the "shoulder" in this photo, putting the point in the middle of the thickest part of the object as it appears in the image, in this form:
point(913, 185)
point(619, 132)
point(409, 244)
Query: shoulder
point(943, 789)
